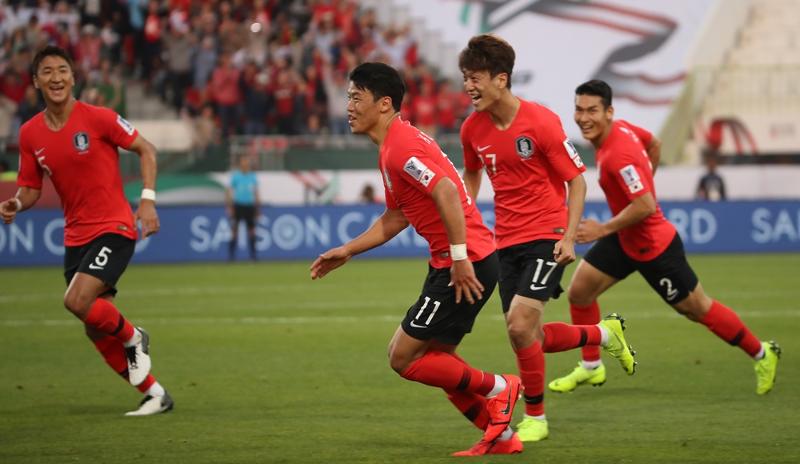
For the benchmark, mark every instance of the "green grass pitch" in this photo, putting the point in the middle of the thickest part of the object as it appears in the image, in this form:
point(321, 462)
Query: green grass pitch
point(267, 366)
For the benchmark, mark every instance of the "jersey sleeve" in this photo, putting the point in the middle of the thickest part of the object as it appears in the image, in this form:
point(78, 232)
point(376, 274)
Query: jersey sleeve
point(644, 135)
point(417, 169)
point(561, 154)
point(628, 175)
point(30, 172)
point(471, 160)
point(116, 129)
point(390, 203)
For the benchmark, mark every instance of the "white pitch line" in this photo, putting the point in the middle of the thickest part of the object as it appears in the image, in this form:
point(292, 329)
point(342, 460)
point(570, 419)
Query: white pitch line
point(310, 320)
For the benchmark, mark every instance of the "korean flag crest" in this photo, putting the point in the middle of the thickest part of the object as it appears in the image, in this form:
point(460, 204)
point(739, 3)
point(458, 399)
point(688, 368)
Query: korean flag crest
point(81, 142)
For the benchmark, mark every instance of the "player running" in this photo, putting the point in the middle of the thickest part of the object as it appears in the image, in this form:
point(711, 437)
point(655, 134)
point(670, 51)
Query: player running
point(639, 238)
point(529, 159)
point(75, 144)
point(422, 188)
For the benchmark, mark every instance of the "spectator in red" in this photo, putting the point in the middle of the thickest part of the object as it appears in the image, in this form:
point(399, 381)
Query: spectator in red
point(224, 91)
point(151, 45)
point(446, 107)
point(284, 92)
point(423, 107)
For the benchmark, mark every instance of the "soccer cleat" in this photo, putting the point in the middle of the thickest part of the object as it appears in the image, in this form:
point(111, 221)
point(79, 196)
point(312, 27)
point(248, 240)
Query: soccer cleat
point(532, 429)
point(579, 376)
point(138, 359)
point(153, 405)
point(511, 446)
point(767, 367)
point(617, 346)
point(501, 408)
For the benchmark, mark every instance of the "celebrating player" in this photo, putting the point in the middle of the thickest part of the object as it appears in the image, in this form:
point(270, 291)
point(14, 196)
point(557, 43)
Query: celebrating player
point(75, 144)
point(639, 238)
point(528, 158)
point(422, 188)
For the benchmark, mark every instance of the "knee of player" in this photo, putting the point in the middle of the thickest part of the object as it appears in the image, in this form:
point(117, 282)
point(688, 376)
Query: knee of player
point(398, 363)
point(78, 303)
point(578, 296)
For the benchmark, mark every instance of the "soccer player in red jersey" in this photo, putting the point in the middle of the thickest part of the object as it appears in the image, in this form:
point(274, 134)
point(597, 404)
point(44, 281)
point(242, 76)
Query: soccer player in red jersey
point(422, 188)
point(529, 160)
point(639, 238)
point(75, 144)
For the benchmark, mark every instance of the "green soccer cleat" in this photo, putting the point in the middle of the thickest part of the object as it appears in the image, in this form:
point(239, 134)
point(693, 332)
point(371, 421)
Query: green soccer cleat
point(617, 346)
point(579, 376)
point(532, 429)
point(767, 367)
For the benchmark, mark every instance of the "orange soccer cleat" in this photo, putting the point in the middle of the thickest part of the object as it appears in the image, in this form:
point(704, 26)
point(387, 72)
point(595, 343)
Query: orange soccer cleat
point(501, 408)
point(511, 446)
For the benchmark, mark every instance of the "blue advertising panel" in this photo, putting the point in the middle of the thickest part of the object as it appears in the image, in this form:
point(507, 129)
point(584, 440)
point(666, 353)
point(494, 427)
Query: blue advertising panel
point(202, 233)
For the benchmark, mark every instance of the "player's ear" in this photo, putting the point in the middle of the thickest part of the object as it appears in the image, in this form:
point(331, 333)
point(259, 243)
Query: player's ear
point(610, 112)
point(502, 80)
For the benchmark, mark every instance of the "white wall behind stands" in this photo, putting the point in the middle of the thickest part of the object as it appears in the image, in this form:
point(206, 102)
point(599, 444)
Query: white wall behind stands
point(642, 49)
point(672, 183)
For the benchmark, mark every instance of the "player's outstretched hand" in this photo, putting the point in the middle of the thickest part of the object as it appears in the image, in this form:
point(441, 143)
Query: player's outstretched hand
point(8, 210)
point(564, 251)
point(590, 230)
point(148, 218)
point(462, 277)
point(328, 261)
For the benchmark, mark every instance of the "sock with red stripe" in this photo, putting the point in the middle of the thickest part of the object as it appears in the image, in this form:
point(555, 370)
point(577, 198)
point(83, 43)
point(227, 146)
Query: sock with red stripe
point(530, 361)
point(471, 405)
point(105, 317)
point(443, 370)
point(559, 336)
point(587, 315)
point(724, 322)
point(113, 352)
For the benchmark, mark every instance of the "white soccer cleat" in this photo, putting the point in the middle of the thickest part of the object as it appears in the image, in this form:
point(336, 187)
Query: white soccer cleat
point(153, 405)
point(139, 359)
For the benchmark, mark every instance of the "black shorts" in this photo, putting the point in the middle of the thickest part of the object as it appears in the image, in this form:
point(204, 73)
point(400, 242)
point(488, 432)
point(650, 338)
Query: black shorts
point(529, 270)
point(246, 213)
point(669, 273)
point(105, 257)
point(436, 316)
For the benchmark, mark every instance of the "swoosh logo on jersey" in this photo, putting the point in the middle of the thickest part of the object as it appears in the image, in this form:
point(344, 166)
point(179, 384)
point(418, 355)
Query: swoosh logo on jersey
point(484, 148)
point(36, 152)
point(536, 287)
point(417, 326)
point(92, 266)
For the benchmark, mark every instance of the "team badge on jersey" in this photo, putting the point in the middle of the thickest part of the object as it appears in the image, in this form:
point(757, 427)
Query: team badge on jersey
point(81, 142)
point(417, 169)
point(125, 125)
point(631, 178)
point(524, 147)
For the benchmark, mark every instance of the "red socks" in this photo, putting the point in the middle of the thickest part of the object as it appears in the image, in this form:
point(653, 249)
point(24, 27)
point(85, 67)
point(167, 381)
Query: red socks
point(444, 370)
point(559, 336)
point(530, 361)
point(471, 405)
point(105, 317)
point(724, 322)
point(113, 352)
point(587, 315)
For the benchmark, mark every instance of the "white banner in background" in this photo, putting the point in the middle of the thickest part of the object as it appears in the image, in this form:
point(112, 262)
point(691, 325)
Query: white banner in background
point(640, 48)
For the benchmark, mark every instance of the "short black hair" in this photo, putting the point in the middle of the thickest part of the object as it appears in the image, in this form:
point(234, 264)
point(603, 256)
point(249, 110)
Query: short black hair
point(50, 50)
point(597, 88)
point(488, 52)
point(380, 79)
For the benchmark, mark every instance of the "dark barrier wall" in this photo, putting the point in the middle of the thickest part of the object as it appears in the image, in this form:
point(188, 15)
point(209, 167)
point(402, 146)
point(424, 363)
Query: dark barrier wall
point(202, 233)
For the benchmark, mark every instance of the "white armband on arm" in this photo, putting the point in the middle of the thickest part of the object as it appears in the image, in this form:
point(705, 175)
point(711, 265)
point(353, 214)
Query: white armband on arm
point(458, 252)
point(148, 194)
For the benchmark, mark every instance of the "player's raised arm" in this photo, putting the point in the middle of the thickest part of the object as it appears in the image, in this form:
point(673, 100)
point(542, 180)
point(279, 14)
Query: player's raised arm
point(386, 227)
point(146, 213)
point(25, 198)
point(462, 273)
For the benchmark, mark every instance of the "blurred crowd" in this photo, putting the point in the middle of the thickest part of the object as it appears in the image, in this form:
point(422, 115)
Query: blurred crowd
point(234, 67)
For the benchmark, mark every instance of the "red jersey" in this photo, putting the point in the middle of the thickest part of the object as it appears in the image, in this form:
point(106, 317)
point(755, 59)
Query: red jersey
point(83, 164)
point(412, 164)
point(625, 173)
point(528, 164)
